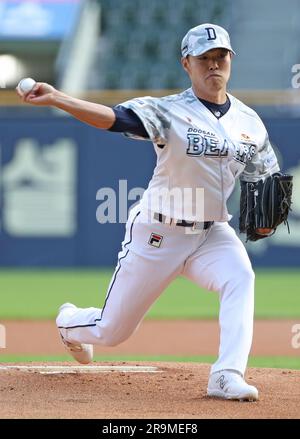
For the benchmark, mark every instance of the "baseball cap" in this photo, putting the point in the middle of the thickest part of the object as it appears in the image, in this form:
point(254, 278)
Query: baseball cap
point(205, 37)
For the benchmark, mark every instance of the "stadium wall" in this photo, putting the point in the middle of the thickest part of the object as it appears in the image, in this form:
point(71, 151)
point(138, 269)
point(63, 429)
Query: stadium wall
point(56, 174)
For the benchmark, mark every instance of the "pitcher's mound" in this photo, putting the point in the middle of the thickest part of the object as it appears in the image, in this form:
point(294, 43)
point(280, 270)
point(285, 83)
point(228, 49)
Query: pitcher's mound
point(138, 390)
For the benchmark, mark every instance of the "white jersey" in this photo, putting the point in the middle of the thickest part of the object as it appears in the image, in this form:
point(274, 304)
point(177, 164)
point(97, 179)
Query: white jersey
point(197, 153)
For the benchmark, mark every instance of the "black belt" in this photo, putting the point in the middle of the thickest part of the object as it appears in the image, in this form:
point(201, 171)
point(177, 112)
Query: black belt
point(204, 225)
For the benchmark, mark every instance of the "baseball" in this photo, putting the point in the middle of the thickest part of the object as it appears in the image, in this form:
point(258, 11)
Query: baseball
point(26, 85)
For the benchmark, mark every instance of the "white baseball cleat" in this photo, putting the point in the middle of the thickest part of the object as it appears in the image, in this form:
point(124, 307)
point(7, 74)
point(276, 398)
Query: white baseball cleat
point(81, 352)
point(229, 384)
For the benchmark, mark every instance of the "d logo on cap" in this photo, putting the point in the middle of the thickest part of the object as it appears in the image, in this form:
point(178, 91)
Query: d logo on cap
point(211, 33)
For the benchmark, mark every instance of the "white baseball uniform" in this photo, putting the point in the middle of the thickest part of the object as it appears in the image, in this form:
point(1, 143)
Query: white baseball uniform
point(195, 150)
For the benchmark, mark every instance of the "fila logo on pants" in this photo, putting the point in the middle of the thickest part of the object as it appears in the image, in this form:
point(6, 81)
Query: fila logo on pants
point(155, 240)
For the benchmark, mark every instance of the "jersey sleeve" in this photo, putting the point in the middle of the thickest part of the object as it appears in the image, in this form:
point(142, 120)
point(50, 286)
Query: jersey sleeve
point(155, 117)
point(128, 122)
point(263, 163)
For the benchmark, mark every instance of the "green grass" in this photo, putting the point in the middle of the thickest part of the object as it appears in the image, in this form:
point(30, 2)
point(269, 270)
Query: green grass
point(38, 294)
point(273, 362)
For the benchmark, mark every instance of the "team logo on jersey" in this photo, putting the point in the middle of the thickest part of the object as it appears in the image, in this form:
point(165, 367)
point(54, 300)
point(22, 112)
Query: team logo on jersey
point(202, 142)
point(155, 240)
point(244, 152)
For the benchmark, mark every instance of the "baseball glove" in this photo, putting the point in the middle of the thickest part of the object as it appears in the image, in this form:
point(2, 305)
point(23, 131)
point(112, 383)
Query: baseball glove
point(264, 205)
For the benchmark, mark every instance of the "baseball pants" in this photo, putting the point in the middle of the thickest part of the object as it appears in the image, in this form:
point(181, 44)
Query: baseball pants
point(215, 259)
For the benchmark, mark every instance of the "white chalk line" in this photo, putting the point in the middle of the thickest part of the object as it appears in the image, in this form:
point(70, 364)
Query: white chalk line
point(47, 369)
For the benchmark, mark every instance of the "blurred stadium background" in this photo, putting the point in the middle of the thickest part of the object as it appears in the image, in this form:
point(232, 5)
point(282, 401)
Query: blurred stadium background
point(52, 166)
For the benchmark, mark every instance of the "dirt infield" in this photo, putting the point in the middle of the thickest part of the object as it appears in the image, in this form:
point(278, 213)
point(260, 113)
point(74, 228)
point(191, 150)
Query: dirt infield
point(177, 391)
point(192, 337)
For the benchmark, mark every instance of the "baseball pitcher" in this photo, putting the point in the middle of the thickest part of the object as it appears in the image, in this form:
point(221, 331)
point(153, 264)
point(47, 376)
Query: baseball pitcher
point(204, 139)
